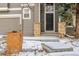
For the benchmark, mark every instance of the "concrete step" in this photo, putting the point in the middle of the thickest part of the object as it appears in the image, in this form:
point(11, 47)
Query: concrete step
point(49, 34)
point(56, 47)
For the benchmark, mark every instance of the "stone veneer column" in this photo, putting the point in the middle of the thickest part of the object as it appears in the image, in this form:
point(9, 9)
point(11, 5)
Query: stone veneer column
point(37, 27)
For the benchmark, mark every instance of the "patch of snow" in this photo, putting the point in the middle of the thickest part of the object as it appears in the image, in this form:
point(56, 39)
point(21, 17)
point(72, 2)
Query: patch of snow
point(2, 47)
point(40, 53)
point(63, 54)
point(76, 49)
point(32, 45)
point(1, 36)
point(26, 54)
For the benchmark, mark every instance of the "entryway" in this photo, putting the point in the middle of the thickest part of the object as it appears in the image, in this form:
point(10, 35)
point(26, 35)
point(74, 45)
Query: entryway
point(47, 18)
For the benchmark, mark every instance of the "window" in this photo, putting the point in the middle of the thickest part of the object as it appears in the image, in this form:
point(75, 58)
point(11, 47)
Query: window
point(26, 13)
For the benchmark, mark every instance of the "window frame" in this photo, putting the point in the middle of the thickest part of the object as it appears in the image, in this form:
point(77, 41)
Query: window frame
point(27, 13)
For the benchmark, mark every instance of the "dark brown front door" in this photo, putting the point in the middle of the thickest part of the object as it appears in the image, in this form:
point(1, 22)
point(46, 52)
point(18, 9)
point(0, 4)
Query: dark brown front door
point(49, 21)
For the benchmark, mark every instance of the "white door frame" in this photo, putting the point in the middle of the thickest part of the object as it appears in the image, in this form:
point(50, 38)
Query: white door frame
point(53, 19)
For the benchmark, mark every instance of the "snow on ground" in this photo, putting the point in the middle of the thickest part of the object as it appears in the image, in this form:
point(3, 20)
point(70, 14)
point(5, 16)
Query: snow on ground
point(37, 46)
point(61, 44)
point(67, 41)
point(63, 54)
point(31, 45)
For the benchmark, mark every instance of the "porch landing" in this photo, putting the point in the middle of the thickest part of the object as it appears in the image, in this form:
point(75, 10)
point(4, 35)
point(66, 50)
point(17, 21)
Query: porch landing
point(40, 38)
point(43, 38)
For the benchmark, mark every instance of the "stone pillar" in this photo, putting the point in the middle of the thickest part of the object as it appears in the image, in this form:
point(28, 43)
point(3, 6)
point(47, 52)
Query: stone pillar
point(61, 29)
point(37, 28)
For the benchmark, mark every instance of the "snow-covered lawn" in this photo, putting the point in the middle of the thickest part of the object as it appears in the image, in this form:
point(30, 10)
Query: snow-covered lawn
point(73, 44)
point(37, 48)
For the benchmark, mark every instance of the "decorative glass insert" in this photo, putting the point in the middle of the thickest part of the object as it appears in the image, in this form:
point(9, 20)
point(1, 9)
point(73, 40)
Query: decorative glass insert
point(26, 13)
point(49, 7)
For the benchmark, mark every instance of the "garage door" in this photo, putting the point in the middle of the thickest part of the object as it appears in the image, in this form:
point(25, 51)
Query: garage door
point(9, 24)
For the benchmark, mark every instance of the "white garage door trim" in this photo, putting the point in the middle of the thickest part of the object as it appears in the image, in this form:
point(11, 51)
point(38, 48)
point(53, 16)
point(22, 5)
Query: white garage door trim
point(12, 16)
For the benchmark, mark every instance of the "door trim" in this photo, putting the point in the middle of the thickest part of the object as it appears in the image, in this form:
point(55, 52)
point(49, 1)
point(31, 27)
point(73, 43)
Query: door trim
point(53, 19)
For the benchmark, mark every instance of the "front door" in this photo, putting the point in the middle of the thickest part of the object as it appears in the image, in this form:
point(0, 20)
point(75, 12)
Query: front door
point(49, 17)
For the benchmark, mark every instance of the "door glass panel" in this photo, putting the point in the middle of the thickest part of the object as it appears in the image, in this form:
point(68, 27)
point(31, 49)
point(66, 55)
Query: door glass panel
point(49, 7)
point(49, 21)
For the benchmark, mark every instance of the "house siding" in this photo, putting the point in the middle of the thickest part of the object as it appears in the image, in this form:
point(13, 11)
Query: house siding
point(29, 23)
point(3, 5)
point(15, 5)
point(36, 12)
